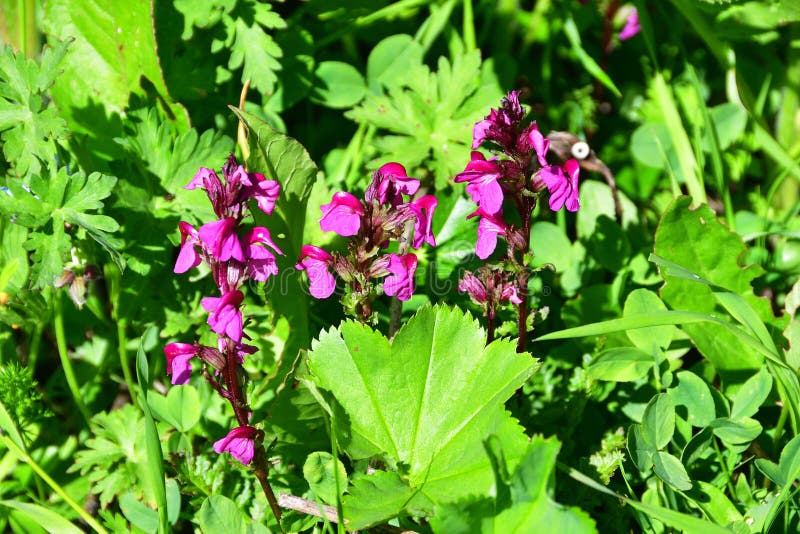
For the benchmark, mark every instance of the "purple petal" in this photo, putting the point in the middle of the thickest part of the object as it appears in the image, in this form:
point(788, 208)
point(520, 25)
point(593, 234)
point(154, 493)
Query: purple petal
point(342, 215)
point(401, 282)
point(239, 442)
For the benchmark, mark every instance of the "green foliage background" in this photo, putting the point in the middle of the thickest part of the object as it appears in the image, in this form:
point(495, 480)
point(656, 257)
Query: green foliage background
point(660, 390)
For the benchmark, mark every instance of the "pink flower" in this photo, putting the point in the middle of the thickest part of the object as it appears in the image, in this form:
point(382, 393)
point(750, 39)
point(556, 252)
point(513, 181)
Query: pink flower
point(509, 293)
point(260, 262)
point(188, 256)
point(204, 179)
point(342, 215)
point(473, 286)
point(401, 282)
point(490, 226)
point(178, 364)
point(389, 183)
point(240, 443)
point(483, 187)
point(539, 143)
point(221, 240)
point(316, 262)
point(632, 26)
point(481, 129)
point(265, 191)
point(562, 182)
point(423, 209)
point(224, 316)
point(500, 126)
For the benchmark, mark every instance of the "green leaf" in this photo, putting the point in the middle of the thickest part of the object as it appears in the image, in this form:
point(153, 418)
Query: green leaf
point(620, 364)
point(749, 398)
point(697, 238)
point(140, 515)
point(44, 517)
point(251, 46)
point(113, 50)
point(530, 506)
point(671, 470)
point(740, 431)
point(658, 421)
point(339, 85)
point(390, 61)
point(730, 120)
point(716, 505)
point(591, 66)
point(29, 123)
point(693, 393)
point(380, 495)
point(155, 460)
point(63, 198)
point(640, 449)
point(446, 397)
point(318, 472)
point(180, 408)
point(641, 301)
point(220, 514)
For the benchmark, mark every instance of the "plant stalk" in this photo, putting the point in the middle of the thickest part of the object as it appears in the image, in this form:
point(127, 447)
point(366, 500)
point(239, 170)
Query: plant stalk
point(63, 354)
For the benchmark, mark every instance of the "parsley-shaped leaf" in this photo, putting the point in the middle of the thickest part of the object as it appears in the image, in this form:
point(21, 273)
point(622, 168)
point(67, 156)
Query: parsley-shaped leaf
point(48, 205)
point(429, 116)
point(30, 125)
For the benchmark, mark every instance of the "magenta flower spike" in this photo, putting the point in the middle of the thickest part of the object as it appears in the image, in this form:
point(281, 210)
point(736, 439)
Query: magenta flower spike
point(188, 256)
point(316, 263)
point(220, 238)
point(401, 282)
point(490, 226)
point(178, 361)
point(423, 209)
point(632, 26)
point(260, 262)
point(239, 442)
point(562, 182)
point(224, 315)
point(342, 215)
point(483, 187)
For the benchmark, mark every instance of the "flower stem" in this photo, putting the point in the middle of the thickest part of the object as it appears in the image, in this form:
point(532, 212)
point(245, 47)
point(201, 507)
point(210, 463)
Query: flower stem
point(523, 275)
point(61, 344)
point(261, 469)
point(124, 361)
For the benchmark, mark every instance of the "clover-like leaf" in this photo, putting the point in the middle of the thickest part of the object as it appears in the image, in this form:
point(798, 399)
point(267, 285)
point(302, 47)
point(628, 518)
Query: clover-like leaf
point(424, 402)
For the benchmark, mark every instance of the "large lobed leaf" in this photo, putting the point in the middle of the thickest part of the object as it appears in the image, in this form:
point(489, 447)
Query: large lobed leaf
point(425, 402)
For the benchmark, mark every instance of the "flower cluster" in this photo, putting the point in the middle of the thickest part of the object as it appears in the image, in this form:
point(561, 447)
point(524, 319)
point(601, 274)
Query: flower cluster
point(385, 214)
point(517, 173)
point(518, 170)
point(233, 257)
